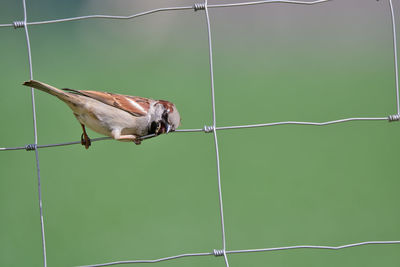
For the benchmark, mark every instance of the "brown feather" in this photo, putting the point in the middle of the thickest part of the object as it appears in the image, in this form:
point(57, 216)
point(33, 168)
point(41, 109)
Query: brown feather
point(135, 105)
point(167, 105)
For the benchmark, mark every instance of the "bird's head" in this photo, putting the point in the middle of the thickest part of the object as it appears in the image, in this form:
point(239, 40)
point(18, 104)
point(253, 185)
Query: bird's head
point(168, 119)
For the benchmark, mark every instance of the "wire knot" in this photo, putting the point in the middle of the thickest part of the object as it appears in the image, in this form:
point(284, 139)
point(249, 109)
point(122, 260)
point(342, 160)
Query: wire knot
point(30, 147)
point(208, 129)
point(395, 117)
point(199, 6)
point(19, 24)
point(218, 252)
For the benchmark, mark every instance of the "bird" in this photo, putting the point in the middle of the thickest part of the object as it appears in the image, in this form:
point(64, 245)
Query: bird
point(122, 117)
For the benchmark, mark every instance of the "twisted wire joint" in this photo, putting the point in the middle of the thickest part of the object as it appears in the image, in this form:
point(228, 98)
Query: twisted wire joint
point(199, 6)
point(30, 147)
point(208, 129)
point(218, 252)
point(19, 24)
point(395, 117)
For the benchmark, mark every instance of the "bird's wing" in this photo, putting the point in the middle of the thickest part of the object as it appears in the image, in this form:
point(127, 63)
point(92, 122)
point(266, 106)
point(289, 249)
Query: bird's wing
point(135, 105)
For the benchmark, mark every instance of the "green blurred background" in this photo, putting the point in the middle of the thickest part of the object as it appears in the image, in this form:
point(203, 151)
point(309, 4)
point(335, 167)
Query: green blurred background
point(282, 186)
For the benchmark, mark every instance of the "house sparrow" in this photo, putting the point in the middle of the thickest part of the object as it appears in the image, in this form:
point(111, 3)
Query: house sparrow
point(122, 117)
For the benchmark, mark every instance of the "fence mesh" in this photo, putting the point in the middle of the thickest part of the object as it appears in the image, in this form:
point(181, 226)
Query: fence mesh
point(213, 129)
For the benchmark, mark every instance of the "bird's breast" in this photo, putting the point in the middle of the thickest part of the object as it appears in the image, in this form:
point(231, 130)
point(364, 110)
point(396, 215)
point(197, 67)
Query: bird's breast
point(103, 119)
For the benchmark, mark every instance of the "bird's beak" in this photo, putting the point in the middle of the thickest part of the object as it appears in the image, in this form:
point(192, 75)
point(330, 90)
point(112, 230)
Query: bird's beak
point(168, 128)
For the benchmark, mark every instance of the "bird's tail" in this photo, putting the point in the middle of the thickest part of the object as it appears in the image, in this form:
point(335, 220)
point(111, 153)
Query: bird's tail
point(48, 89)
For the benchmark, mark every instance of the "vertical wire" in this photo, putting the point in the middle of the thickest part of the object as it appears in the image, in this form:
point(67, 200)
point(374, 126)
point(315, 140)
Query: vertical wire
point(395, 56)
point(215, 133)
point(35, 136)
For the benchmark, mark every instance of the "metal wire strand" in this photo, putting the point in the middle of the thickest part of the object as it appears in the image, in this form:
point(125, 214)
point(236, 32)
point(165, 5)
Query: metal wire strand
point(195, 7)
point(217, 252)
point(326, 123)
point(269, 2)
point(396, 69)
point(105, 16)
point(315, 247)
point(210, 129)
point(221, 207)
point(395, 117)
point(30, 147)
point(28, 44)
point(149, 261)
point(207, 129)
point(18, 24)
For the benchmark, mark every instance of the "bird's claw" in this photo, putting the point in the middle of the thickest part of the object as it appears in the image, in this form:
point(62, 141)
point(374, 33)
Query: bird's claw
point(137, 141)
point(85, 141)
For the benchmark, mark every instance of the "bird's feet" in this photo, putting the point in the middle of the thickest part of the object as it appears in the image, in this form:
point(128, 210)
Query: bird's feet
point(85, 140)
point(137, 141)
point(116, 134)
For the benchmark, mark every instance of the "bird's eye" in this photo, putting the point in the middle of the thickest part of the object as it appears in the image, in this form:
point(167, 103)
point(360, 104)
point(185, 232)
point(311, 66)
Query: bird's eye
point(165, 115)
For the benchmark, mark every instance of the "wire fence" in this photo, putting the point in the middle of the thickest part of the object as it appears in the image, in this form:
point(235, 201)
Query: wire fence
point(206, 129)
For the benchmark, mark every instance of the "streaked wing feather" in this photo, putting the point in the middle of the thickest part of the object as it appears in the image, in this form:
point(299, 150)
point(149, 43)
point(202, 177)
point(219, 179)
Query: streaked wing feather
point(135, 105)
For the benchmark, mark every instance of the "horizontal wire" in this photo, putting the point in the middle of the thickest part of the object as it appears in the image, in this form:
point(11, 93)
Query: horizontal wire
point(301, 123)
point(52, 145)
point(206, 129)
point(269, 2)
point(150, 261)
point(166, 9)
point(315, 247)
point(113, 17)
point(92, 140)
point(104, 16)
point(216, 128)
point(248, 251)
